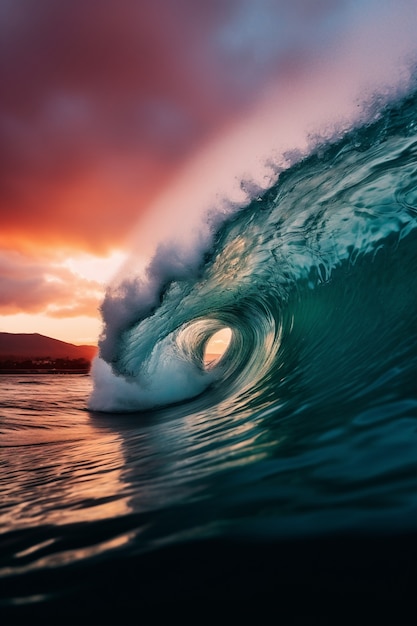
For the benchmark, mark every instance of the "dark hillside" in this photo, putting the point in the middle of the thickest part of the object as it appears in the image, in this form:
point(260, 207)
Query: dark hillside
point(22, 346)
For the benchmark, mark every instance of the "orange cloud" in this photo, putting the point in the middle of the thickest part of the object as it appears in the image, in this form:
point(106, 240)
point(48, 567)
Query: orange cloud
point(29, 285)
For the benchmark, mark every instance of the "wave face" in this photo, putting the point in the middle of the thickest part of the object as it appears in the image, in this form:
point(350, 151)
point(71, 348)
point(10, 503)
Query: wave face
point(315, 278)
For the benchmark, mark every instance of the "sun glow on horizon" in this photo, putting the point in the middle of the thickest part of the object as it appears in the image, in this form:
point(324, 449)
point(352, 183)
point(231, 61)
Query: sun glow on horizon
point(97, 268)
point(54, 320)
point(217, 345)
point(82, 330)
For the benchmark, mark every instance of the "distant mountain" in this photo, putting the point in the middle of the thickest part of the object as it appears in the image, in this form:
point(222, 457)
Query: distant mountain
point(32, 345)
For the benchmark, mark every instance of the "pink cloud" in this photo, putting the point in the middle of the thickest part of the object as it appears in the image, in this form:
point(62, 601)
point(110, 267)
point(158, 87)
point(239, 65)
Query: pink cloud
point(100, 105)
point(36, 285)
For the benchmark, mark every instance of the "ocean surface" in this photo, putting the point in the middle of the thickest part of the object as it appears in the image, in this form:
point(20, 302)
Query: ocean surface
point(278, 485)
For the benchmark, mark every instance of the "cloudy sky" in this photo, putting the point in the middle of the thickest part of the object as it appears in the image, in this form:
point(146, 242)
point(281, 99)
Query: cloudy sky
point(105, 104)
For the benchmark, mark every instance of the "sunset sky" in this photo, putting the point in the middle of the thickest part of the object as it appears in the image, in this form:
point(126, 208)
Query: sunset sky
point(104, 105)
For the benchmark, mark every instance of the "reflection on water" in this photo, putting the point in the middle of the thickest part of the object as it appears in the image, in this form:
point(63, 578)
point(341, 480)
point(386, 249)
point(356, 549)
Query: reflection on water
point(76, 484)
point(58, 466)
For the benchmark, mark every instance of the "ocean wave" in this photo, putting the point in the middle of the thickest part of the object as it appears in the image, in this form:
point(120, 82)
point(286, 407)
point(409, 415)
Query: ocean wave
point(329, 230)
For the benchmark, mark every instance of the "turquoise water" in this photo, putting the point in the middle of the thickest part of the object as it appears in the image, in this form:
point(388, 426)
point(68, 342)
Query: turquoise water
point(281, 478)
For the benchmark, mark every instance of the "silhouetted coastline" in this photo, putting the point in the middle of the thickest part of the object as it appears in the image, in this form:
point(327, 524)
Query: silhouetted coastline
point(45, 366)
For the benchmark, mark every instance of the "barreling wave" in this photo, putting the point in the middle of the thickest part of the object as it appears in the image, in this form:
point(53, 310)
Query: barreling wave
point(315, 278)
